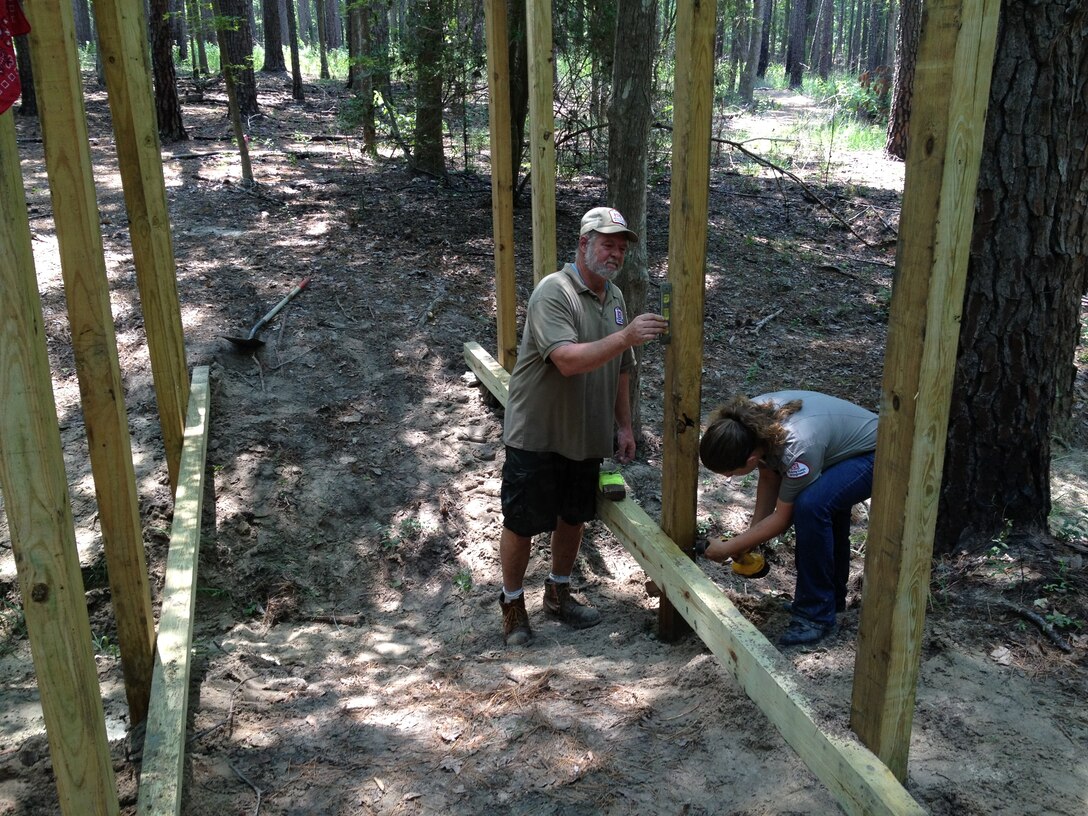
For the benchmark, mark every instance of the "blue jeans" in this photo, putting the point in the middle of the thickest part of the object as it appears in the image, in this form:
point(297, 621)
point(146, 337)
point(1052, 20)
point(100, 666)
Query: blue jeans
point(821, 520)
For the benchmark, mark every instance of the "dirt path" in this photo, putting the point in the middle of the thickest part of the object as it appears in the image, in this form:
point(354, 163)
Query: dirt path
point(348, 650)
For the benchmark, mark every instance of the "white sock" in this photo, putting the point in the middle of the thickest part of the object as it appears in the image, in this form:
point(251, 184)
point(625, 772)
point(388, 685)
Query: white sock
point(509, 596)
point(559, 579)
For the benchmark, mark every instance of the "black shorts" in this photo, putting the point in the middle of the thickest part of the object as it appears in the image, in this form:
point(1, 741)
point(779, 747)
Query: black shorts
point(538, 488)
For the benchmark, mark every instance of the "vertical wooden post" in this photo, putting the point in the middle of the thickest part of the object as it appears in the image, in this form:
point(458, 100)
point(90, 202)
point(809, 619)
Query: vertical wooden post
point(502, 181)
point(122, 34)
point(948, 119)
point(75, 213)
point(687, 265)
point(39, 515)
point(538, 14)
point(163, 768)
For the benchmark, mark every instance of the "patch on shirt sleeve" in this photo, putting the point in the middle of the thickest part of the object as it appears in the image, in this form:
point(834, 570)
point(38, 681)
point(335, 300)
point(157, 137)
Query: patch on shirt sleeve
point(797, 470)
point(619, 316)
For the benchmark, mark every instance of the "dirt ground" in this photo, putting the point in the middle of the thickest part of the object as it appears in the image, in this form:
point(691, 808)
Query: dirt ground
point(348, 654)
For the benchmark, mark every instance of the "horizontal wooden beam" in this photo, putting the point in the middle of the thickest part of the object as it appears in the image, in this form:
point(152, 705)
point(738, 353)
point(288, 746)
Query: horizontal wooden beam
point(487, 368)
point(164, 742)
point(852, 773)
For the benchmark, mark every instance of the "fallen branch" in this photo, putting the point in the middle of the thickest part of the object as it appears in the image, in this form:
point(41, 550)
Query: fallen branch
point(765, 321)
point(256, 790)
point(1045, 626)
point(782, 170)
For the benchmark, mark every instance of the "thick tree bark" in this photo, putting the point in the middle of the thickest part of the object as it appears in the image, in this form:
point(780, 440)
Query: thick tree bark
point(428, 154)
point(28, 101)
point(518, 56)
point(1027, 272)
point(821, 40)
point(751, 62)
point(766, 46)
point(795, 49)
point(82, 19)
point(910, 24)
point(273, 45)
point(236, 53)
point(297, 92)
point(167, 105)
point(322, 37)
point(630, 115)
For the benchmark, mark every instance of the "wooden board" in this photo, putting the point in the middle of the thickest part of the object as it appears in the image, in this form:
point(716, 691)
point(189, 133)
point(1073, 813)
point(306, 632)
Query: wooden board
point(35, 489)
point(502, 181)
point(693, 98)
point(164, 743)
point(494, 377)
point(542, 135)
point(122, 34)
point(94, 343)
point(948, 119)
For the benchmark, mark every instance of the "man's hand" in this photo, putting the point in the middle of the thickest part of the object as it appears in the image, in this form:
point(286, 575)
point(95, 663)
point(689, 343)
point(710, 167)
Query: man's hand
point(625, 445)
point(646, 327)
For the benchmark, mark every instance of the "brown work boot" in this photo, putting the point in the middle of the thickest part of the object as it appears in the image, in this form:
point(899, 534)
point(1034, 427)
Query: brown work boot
point(559, 603)
point(515, 622)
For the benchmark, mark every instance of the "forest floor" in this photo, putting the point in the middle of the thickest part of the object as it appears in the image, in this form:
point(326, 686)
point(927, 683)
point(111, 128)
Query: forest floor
point(348, 652)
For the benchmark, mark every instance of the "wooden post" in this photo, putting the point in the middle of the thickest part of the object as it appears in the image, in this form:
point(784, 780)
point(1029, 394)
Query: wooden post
point(122, 35)
point(948, 118)
point(35, 489)
point(164, 744)
point(538, 14)
point(687, 265)
point(502, 181)
point(75, 213)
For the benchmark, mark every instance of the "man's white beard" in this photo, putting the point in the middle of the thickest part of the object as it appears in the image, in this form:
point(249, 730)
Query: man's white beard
point(603, 270)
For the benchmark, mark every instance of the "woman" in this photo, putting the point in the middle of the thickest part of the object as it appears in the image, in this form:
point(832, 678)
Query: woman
point(815, 455)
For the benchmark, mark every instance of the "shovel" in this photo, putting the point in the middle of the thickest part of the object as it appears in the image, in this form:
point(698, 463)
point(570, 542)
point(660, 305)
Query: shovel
point(251, 340)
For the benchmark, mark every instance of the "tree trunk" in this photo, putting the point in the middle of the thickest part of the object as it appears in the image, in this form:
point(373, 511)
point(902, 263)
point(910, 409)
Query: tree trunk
point(355, 44)
point(28, 105)
point(273, 45)
point(167, 105)
point(518, 55)
point(910, 24)
point(322, 37)
point(292, 39)
point(231, 71)
point(178, 28)
point(236, 52)
point(766, 45)
point(82, 19)
point(333, 26)
point(874, 40)
point(366, 93)
point(305, 22)
point(629, 118)
point(821, 40)
point(795, 50)
point(1027, 272)
point(751, 62)
point(428, 155)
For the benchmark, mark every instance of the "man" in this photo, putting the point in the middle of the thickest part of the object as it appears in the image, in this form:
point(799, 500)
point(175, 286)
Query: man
point(568, 402)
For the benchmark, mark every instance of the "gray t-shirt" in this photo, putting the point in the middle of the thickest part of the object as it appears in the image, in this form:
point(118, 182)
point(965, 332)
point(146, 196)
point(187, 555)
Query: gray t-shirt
point(826, 430)
point(546, 411)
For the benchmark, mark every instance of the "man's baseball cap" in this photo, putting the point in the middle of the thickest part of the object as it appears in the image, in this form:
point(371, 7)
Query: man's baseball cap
point(606, 220)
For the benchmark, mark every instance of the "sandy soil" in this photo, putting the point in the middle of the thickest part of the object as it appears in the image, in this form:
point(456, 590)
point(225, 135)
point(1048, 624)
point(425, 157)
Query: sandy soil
point(348, 649)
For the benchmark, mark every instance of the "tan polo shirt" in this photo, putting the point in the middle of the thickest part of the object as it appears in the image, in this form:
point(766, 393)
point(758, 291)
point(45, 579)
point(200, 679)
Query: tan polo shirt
point(547, 412)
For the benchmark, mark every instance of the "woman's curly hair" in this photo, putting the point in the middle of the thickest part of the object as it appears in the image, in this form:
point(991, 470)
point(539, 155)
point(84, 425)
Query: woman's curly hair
point(738, 427)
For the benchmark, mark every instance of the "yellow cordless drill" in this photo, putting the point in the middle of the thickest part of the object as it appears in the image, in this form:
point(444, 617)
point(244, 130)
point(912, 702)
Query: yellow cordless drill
point(751, 564)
